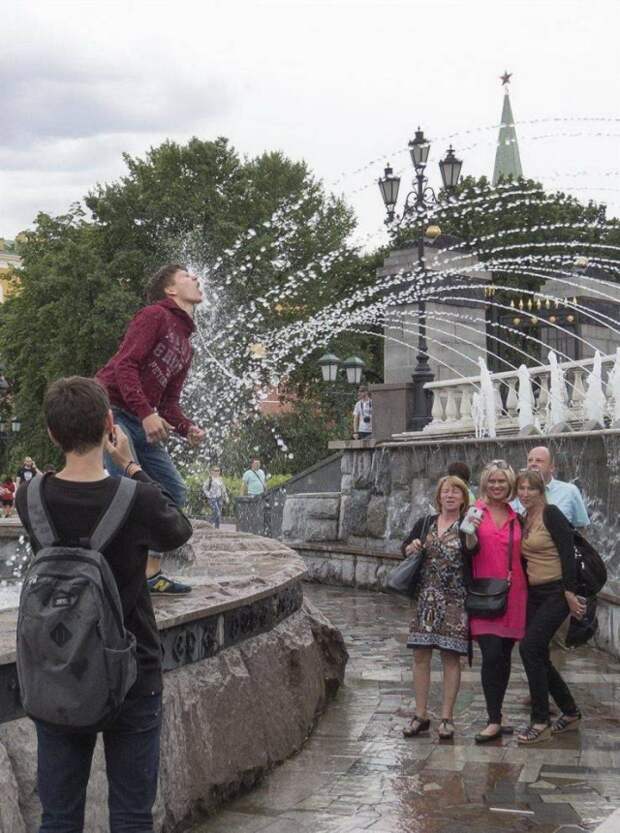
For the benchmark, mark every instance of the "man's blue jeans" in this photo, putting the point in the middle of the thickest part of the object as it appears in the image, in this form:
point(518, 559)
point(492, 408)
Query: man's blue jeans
point(154, 459)
point(131, 744)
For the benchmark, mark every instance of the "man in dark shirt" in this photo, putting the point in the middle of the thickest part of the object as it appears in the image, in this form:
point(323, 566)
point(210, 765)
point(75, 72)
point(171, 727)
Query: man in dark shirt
point(80, 422)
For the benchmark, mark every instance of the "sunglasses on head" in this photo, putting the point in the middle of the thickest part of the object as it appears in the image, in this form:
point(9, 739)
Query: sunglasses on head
point(499, 464)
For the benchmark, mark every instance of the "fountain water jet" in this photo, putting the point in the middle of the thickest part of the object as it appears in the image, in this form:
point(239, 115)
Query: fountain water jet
point(594, 405)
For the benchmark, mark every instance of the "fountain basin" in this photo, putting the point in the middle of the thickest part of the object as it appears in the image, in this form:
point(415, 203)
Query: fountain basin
point(249, 668)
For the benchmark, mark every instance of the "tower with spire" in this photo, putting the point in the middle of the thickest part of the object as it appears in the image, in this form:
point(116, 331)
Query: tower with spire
point(507, 159)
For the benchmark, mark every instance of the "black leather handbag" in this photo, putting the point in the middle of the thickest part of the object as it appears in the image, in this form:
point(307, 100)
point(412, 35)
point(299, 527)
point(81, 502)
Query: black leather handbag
point(404, 578)
point(488, 597)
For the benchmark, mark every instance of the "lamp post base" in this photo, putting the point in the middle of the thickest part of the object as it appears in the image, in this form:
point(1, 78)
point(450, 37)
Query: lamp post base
point(422, 399)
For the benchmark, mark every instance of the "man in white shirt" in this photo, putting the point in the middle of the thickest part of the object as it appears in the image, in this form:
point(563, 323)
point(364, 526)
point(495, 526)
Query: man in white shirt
point(362, 415)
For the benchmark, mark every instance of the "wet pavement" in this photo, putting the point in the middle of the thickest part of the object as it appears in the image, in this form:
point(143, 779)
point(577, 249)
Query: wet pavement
point(358, 773)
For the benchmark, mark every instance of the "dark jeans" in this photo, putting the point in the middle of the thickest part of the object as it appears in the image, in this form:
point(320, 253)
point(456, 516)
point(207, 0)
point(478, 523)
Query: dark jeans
point(546, 610)
point(131, 744)
point(496, 653)
point(153, 458)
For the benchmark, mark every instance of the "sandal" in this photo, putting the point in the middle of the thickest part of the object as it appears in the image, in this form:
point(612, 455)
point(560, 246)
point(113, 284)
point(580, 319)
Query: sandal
point(566, 723)
point(416, 727)
point(532, 735)
point(446, 729)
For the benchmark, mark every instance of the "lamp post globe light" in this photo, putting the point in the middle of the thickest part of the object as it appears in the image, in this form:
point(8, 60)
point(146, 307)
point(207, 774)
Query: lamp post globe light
point(353, 367)
point(329, 364)
point(418, 202)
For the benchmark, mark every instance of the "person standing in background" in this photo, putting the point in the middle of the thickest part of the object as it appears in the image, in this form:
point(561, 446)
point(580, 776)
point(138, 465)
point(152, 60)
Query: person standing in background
point(462, 470)
point(362, 415)
point(566, 496)
point(27, 471)
point(216, 494)
point(254, 481)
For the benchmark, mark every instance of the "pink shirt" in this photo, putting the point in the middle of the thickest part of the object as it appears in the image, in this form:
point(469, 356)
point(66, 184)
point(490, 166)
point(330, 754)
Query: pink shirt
point(492, 562)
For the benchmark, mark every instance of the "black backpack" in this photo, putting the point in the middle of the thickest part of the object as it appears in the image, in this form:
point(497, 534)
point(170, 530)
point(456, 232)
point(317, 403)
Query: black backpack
point(591, 569)
point(75, 660)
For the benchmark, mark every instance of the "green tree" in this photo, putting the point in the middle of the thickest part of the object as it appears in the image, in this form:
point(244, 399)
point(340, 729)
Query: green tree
point(273, 243)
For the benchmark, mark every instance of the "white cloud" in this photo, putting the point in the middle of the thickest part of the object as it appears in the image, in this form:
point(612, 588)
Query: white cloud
point(338, 83)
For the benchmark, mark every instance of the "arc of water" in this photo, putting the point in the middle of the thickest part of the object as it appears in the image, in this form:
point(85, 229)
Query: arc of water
point(614, 387)
point(525, 402)
point(558, 411)
point(594, 405)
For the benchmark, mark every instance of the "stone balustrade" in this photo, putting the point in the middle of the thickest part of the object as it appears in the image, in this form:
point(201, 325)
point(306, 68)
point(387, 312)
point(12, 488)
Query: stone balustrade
point(453, 400)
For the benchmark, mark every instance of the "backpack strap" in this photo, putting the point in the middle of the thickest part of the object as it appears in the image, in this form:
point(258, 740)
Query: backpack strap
point(115, 515)
point(39, 522)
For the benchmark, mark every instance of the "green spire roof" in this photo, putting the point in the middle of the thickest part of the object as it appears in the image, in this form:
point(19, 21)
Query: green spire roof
point(507, 159)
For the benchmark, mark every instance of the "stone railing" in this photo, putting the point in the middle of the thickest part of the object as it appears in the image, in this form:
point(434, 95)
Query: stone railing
point(453, 399)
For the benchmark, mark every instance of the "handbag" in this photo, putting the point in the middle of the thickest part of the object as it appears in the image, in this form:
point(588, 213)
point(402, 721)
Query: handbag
point(591, 569)
point(404, 578)
point(487, 598)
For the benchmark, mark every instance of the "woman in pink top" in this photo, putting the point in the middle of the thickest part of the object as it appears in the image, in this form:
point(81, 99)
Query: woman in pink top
point(497, 529)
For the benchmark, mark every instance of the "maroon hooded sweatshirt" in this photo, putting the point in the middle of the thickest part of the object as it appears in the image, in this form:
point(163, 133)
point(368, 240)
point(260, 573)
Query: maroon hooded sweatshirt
point(147, 373)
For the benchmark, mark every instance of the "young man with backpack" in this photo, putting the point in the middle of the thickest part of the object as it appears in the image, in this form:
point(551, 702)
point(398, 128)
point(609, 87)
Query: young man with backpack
point(88, 650)
point(144, 380)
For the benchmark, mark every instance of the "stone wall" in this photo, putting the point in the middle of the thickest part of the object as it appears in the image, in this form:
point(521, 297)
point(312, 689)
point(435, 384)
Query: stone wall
point(384, 489)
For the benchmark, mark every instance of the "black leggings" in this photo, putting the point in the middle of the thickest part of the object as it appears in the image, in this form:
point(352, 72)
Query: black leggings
point(546, 610)
point(496, 652)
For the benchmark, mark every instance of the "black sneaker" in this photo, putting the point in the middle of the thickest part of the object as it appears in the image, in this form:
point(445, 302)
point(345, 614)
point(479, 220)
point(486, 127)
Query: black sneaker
point(161, 585)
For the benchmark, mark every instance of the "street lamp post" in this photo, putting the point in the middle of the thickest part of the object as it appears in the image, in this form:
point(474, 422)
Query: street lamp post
point(417, 204)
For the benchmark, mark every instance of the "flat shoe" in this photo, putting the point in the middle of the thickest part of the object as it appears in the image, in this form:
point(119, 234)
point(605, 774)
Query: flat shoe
point(480, 738)
point(413, 731)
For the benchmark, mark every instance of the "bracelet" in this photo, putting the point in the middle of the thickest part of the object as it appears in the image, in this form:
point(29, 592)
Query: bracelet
point(130, 463)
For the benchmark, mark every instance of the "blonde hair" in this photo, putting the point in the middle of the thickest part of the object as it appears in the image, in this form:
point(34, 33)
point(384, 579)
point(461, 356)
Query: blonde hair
point(535, 480)
point(452, 480)
point(497, 465)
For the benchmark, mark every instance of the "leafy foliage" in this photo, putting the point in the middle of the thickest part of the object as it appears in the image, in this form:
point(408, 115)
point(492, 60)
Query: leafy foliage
point(258, 227)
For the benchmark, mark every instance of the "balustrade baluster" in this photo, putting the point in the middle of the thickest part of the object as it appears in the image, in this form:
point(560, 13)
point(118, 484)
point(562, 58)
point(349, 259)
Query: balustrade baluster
point(452, 412)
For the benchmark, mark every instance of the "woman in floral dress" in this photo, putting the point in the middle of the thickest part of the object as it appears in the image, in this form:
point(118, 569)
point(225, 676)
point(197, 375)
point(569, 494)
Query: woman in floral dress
point(439, 617)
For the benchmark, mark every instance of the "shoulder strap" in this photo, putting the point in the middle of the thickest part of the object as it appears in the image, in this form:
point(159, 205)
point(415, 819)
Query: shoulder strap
point(38, 519)
point(115, 515)
point(511, 539)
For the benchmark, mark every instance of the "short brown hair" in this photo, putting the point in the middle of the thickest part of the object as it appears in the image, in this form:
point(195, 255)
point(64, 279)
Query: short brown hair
point(452, 480)
point(459, 469)
point(75, 411)
point(535, 480)
point(157, 283)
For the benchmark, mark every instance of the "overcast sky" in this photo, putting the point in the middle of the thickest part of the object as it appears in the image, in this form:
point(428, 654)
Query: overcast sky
point(340, 83)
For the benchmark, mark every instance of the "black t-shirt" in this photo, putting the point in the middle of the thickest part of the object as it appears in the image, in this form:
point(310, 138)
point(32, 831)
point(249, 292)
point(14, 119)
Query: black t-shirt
point(154, 523)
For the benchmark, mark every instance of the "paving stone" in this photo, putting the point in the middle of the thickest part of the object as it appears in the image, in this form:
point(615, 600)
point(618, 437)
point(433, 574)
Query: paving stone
point(358, 773)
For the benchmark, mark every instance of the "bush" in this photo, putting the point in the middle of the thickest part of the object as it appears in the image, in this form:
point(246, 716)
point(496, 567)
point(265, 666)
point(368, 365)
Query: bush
point(197, 506)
